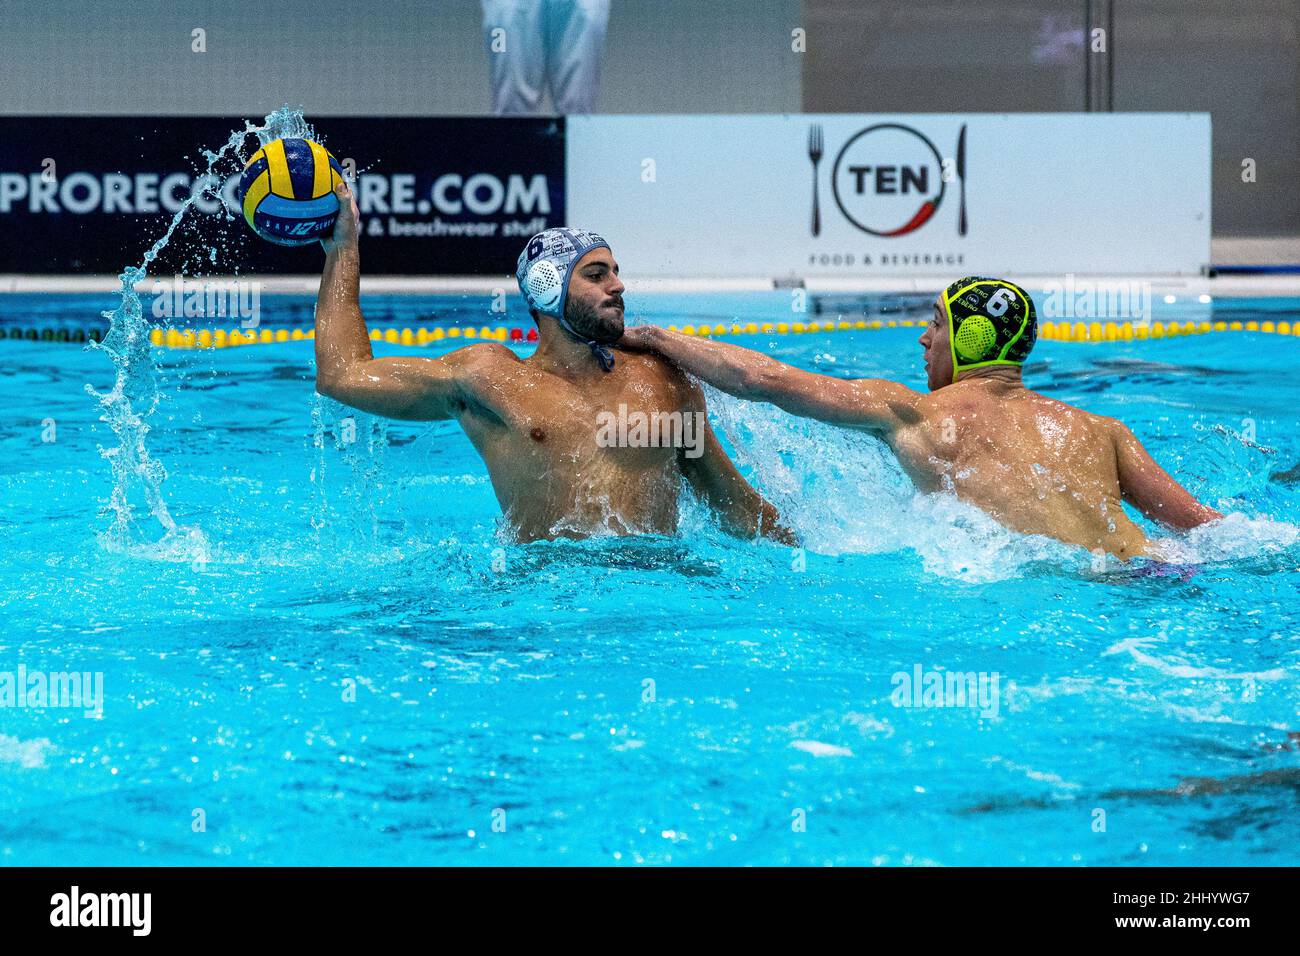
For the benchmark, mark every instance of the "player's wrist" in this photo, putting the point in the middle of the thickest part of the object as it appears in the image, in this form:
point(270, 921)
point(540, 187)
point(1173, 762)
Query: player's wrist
point(343, 249)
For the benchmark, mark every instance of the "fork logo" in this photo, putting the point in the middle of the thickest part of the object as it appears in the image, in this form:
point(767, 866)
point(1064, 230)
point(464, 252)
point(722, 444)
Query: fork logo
point(888, 180)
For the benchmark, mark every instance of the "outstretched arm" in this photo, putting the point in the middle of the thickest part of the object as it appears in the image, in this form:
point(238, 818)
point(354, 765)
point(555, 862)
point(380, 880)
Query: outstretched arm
point(412, 388)
point(873, 404)
point(1151, 489)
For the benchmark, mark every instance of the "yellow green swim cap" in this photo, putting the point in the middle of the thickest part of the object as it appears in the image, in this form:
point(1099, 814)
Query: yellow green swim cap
point(990, 322)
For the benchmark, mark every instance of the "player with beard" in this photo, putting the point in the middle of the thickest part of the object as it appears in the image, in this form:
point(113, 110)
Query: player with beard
point(536, 421)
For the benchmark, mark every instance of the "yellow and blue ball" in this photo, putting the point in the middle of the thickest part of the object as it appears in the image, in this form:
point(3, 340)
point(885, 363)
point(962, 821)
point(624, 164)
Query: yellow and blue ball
point(287, 192)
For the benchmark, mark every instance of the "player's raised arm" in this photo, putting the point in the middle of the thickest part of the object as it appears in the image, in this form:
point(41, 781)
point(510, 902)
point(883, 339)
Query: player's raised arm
point(346, 369)
point(342, 339)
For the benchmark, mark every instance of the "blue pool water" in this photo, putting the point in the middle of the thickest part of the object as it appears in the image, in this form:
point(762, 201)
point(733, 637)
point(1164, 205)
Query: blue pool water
point(337, 659)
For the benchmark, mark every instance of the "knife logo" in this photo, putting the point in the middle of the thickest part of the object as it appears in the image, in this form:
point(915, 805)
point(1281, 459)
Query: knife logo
point(961, 181)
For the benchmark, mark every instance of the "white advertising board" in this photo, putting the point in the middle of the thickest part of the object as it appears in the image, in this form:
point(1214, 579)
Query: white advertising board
point(856, 196)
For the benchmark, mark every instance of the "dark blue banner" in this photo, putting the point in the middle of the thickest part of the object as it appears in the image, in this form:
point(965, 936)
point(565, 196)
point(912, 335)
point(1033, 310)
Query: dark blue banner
point(438, 196)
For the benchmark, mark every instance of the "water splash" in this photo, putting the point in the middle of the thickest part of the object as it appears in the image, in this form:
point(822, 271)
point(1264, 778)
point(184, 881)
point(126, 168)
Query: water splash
point(135, 394)
point(844, 492)
point(359, 442)
point(1237, 536)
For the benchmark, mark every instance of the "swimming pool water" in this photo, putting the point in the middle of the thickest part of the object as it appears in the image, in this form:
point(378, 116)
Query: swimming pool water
point(346, 663)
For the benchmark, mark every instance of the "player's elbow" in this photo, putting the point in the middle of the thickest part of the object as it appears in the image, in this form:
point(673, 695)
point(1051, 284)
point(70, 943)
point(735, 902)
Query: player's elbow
point(326, 385)
point(332, 384)
point(749, 382)
point(337, 376)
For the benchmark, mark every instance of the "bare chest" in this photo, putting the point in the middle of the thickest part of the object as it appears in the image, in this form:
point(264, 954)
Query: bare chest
point(633, 424)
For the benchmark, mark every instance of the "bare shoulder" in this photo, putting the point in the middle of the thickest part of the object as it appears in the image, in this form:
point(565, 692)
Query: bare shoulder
point(1102, 423)
point(980, 403)
point(947, 402)
point(483, 373)
point(1102, 428)
point(645, 362)
point(1115, 429)
point(481, 357)
point(654, 370)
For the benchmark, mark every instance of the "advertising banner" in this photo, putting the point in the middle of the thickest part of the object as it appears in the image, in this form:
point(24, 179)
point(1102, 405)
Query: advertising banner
point(866, 196)
point(438, 196)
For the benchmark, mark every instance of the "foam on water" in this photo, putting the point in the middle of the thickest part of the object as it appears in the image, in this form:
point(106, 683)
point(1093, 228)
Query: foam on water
point(28, 754)
point(1236, 536)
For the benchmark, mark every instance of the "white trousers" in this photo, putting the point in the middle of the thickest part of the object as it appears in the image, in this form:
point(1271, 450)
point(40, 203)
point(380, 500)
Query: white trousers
point(536, 44)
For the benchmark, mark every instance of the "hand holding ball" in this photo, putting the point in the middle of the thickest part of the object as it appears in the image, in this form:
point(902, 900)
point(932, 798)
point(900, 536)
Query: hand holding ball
point(347, 226)
point(287, 192)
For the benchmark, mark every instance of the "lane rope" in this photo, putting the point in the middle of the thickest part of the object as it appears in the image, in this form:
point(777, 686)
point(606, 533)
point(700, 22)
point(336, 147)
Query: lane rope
point(221, 338)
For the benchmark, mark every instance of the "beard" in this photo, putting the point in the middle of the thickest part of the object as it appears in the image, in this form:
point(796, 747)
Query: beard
point(591, 322)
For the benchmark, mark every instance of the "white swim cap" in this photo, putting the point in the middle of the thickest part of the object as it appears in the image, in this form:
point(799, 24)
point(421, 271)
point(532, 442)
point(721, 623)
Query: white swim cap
point(544, 286)
point(544, 267)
